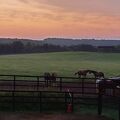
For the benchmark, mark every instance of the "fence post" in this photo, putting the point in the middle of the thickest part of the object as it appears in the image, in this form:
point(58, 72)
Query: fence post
point(65, 102)
point(119, 107)
point(60, 84)
point(14, 79)
point(13, 100)
point(47, 82)
point(72, 102)
point(37, 83)
point(99, 100)
point(82, 86)
point(40, 101)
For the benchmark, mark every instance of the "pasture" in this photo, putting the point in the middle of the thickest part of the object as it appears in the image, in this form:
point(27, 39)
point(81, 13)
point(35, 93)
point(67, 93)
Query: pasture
point(63, 63)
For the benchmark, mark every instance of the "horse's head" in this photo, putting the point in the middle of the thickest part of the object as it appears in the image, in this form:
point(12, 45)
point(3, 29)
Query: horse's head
point(54, 74)
point(101, 74)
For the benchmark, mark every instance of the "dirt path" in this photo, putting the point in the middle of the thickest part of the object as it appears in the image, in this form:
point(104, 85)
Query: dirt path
point(38, 116)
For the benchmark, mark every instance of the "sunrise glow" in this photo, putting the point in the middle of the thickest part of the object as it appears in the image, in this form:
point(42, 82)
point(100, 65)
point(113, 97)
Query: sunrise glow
point(38, 19)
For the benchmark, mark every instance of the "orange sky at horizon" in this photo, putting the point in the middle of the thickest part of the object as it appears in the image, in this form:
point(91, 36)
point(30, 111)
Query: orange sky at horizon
point(37, 19)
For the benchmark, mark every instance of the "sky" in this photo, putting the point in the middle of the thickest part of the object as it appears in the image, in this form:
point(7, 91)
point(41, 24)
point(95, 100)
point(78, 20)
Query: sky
point(39, 19)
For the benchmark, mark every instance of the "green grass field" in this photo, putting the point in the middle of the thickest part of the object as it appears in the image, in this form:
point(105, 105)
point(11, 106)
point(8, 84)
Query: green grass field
point(64, 63)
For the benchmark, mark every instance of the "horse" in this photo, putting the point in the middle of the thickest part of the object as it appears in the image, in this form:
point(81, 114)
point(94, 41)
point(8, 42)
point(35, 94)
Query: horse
point(50, 77)
point(96, 74)
point(46, 77)
point(109, 84)
point(98, 77)
point(53, 77)
point(82, 73)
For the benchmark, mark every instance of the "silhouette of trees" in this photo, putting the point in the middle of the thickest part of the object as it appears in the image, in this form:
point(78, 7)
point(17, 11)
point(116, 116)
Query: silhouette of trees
point(82, 47)
point(107, 49)
point(17, 47)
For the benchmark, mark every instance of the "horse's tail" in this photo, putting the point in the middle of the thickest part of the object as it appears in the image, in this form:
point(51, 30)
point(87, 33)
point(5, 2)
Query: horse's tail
point(103, 75)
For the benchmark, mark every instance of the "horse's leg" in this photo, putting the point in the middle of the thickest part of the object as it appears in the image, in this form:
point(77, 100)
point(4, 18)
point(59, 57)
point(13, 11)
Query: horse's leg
point(95, 76)
point(103, 76)
point(79, 76)
point(84, 76)
point(54, 82)
point(46, 81)
point(51, 80)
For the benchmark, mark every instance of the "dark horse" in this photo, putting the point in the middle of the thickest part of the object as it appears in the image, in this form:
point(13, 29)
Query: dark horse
point(46, 78)
point(82, 73)
point(53, 77)
point(109, 84)
point(49, 78)
point(96, 74)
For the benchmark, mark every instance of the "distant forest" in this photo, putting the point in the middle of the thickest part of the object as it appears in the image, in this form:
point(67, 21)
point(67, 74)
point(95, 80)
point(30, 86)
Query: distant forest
point(17, 47)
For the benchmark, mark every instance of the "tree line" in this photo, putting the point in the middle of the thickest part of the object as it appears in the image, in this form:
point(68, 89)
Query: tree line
point(17, 47)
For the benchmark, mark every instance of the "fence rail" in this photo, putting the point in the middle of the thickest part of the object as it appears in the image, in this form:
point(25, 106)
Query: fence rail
point(43, 97)
point(24, 89)
point(28, 82)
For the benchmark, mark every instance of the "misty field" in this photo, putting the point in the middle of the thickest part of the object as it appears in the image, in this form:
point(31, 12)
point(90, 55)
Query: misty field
point(63, 63)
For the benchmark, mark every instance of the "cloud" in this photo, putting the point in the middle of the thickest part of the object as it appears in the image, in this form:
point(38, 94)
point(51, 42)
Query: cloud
point(60, 9)
point(67, 17)
point(24, 1)
point(111, 7)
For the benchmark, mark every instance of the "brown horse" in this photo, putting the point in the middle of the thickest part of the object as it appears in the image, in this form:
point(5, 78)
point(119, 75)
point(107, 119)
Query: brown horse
point(96, 74)
point(50, 78)
point(82, 73)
